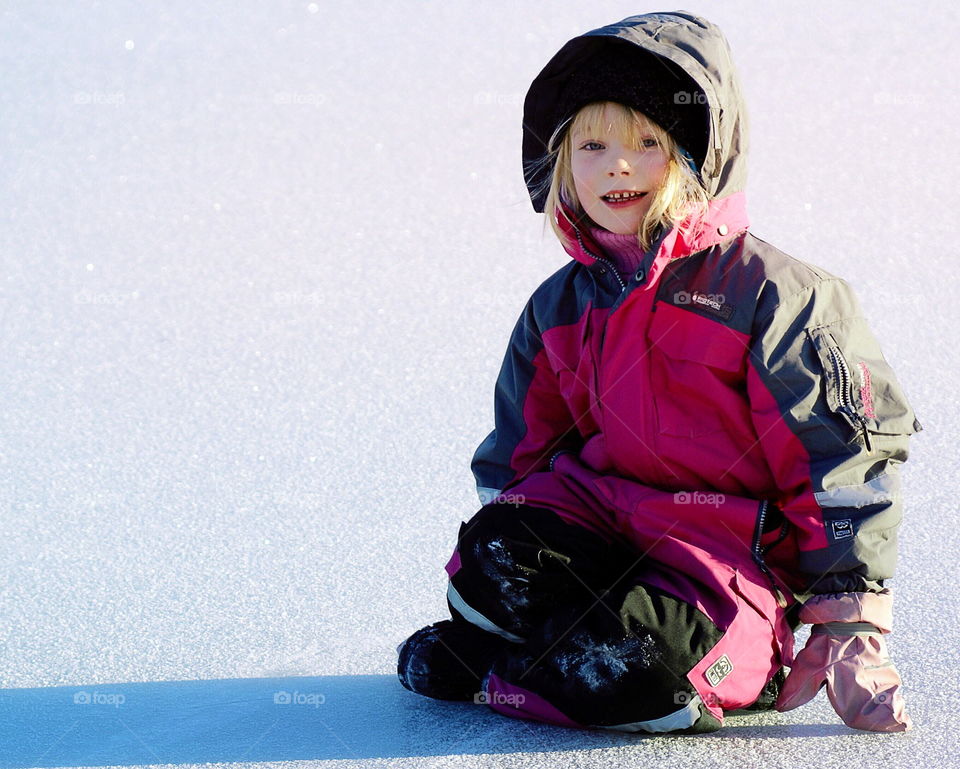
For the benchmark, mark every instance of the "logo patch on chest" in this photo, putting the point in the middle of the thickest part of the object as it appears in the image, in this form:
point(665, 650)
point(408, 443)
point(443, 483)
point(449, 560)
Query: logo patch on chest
point(713, 303)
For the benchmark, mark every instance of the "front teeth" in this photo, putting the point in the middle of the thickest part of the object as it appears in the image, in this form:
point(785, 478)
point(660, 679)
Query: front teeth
point(623, 196)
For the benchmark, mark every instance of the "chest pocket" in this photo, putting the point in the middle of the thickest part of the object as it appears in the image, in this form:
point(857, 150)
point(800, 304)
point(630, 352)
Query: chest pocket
point(698, 373)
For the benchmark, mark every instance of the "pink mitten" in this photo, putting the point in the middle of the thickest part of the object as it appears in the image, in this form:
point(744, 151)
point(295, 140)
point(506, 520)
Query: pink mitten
point(847, 653)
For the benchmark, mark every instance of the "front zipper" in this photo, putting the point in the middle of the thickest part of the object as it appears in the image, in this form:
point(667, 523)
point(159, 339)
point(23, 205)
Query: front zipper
point(601, 259)
point(758, 551)
point(846, 402)
point(557, 456)
point(603, 332)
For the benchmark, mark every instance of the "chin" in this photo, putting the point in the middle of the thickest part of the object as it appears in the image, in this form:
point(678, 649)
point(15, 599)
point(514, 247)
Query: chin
point(621, 229)
point(616, 226)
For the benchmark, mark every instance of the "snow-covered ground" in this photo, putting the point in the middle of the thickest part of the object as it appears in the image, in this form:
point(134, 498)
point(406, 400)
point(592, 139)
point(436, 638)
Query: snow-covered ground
point(259, 266)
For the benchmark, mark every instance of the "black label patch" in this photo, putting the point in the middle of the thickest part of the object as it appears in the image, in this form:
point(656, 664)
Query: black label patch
point(719, 670)
point(715, 304)
point(842, 529)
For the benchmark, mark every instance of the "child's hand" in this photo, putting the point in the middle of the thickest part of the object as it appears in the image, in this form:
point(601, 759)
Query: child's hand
point(847, 652)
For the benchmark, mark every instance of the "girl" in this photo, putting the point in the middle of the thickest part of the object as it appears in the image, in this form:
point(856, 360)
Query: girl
point(697, 438)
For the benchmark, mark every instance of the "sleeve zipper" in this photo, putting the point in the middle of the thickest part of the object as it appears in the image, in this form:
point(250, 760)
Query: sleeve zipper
point(846, 401)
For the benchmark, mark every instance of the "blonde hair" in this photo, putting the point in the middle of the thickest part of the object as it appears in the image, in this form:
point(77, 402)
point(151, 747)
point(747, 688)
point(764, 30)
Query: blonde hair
point(679, 195)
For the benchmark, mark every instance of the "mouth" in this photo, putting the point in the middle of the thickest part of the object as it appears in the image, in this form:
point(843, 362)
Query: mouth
point(620, 198)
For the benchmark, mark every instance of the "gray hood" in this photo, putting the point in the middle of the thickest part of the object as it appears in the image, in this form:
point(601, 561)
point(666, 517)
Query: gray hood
point(688, 45)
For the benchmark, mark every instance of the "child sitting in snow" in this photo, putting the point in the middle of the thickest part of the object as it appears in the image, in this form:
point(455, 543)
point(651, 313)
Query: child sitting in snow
point(697, 438)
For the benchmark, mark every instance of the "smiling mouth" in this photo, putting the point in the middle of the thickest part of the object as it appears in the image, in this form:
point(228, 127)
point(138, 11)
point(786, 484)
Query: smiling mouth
point(625, 196)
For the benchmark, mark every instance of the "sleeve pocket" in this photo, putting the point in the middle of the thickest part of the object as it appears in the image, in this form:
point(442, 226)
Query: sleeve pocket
point(859, 384)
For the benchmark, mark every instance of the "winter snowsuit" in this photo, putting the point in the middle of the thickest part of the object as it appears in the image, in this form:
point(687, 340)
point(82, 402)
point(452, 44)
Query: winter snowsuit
point(726, 413)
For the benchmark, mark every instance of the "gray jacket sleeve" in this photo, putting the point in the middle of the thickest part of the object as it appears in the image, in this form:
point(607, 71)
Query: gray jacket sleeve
point(834, 425)
point(531, 418)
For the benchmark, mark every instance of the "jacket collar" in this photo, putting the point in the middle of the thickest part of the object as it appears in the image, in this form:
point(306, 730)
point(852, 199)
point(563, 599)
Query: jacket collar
point(725, 218)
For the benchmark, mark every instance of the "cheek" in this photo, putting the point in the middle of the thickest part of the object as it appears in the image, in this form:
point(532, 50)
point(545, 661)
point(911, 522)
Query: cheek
point(658, 168)
point(581, 179)
point(651, 175)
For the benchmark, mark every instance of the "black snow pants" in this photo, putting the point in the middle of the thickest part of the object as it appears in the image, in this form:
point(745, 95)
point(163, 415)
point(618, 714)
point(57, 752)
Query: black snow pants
point(592, 645)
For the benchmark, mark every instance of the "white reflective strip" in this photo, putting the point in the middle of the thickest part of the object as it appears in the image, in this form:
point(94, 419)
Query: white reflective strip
point(472, 615)
point(682, 719)
point(880, 489)
point(487, 495)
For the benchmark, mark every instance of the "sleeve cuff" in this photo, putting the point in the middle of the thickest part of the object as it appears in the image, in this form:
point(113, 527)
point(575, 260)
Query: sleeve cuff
point(875, 608)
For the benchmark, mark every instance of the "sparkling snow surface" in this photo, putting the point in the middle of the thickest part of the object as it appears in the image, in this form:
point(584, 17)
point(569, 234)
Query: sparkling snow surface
point(259, 266)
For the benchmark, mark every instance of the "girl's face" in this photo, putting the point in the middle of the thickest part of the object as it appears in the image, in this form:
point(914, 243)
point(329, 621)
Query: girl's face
point(603, 165)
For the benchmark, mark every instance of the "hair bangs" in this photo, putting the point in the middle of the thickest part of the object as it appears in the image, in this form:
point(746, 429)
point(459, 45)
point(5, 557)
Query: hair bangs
point(628, 125)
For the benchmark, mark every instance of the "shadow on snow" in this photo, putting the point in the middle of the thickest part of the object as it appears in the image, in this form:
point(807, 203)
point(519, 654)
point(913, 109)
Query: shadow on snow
point(277, 719)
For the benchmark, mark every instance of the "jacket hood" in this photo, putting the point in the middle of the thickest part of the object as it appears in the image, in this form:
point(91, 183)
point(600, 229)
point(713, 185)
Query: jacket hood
point(687, 45)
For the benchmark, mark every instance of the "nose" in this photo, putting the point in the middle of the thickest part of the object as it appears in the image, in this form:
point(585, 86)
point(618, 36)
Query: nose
point(620, 167)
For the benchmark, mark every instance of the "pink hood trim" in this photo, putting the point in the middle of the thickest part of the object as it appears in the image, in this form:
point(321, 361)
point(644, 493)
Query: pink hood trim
point(725, 218)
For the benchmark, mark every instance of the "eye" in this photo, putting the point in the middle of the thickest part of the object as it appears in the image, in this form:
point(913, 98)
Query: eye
point(587, 145)
point(650, 143)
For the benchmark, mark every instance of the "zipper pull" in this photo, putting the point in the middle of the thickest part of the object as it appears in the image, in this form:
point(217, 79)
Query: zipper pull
point(781, 599)
point(866, 433)
point(863, 428)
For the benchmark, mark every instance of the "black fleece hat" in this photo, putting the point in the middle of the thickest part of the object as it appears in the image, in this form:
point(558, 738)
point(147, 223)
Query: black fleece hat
point(619, 71)
point(627, 76)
